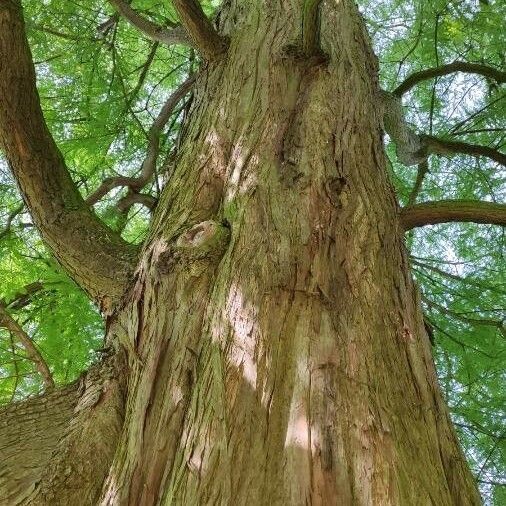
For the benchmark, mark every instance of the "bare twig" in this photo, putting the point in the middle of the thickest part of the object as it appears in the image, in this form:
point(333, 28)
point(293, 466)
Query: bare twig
point(10, 218)
point(7, 322)
point(423, 168)
point(447, 147)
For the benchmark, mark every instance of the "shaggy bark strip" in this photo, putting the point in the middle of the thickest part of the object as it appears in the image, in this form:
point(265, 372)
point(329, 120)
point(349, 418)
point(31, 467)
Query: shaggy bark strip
point(290, 365)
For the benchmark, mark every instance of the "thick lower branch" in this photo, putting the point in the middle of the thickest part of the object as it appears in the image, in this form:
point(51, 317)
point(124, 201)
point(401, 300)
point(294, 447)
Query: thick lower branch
point(57, 448)
point(99, 260)
point(445, 211)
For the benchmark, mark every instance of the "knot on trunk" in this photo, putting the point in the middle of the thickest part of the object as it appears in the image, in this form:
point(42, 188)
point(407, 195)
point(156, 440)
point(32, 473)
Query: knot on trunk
point(205, 239)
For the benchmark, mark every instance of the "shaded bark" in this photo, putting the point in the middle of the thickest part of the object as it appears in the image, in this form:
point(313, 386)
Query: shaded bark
point(275, 344)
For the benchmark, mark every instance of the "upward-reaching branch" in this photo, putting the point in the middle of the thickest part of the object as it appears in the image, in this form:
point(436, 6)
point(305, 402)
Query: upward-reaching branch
point(205, 38)
point(99, 260)
point(149, 163)
point(457, 66)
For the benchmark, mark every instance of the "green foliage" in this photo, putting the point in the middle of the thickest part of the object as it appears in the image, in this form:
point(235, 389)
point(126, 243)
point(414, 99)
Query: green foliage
point(102, 83)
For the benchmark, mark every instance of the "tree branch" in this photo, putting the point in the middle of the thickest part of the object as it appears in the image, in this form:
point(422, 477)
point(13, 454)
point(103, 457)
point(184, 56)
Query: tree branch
point(132, 198)
point(23, 297)
point(33, 354)
point(149, 163)
point(445, 211)
point(175, 35)
point(423, 168)
point(447, 147)
point(206, 39)
point(457, 66)
point(10, 218)
point(414, 149)
point(98, 259)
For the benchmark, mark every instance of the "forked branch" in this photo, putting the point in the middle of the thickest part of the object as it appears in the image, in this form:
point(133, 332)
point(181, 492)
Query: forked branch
point(445, 211)
point(168, 36)
point(205, 38)
point(413, 148)
point(99, 260)
point(149, 164)
point(457, 66)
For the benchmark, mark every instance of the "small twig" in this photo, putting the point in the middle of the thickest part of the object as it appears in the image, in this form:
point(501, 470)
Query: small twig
point(423, 169)
point(446, 147)
point(10, 218)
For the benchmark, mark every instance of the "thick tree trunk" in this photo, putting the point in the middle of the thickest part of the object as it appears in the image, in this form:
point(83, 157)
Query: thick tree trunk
point(276, 347)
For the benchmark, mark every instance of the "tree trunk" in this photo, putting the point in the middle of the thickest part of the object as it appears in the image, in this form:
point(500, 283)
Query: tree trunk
point(275, 343)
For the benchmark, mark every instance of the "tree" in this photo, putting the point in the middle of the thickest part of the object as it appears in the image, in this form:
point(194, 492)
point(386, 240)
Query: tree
point(264, 342)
